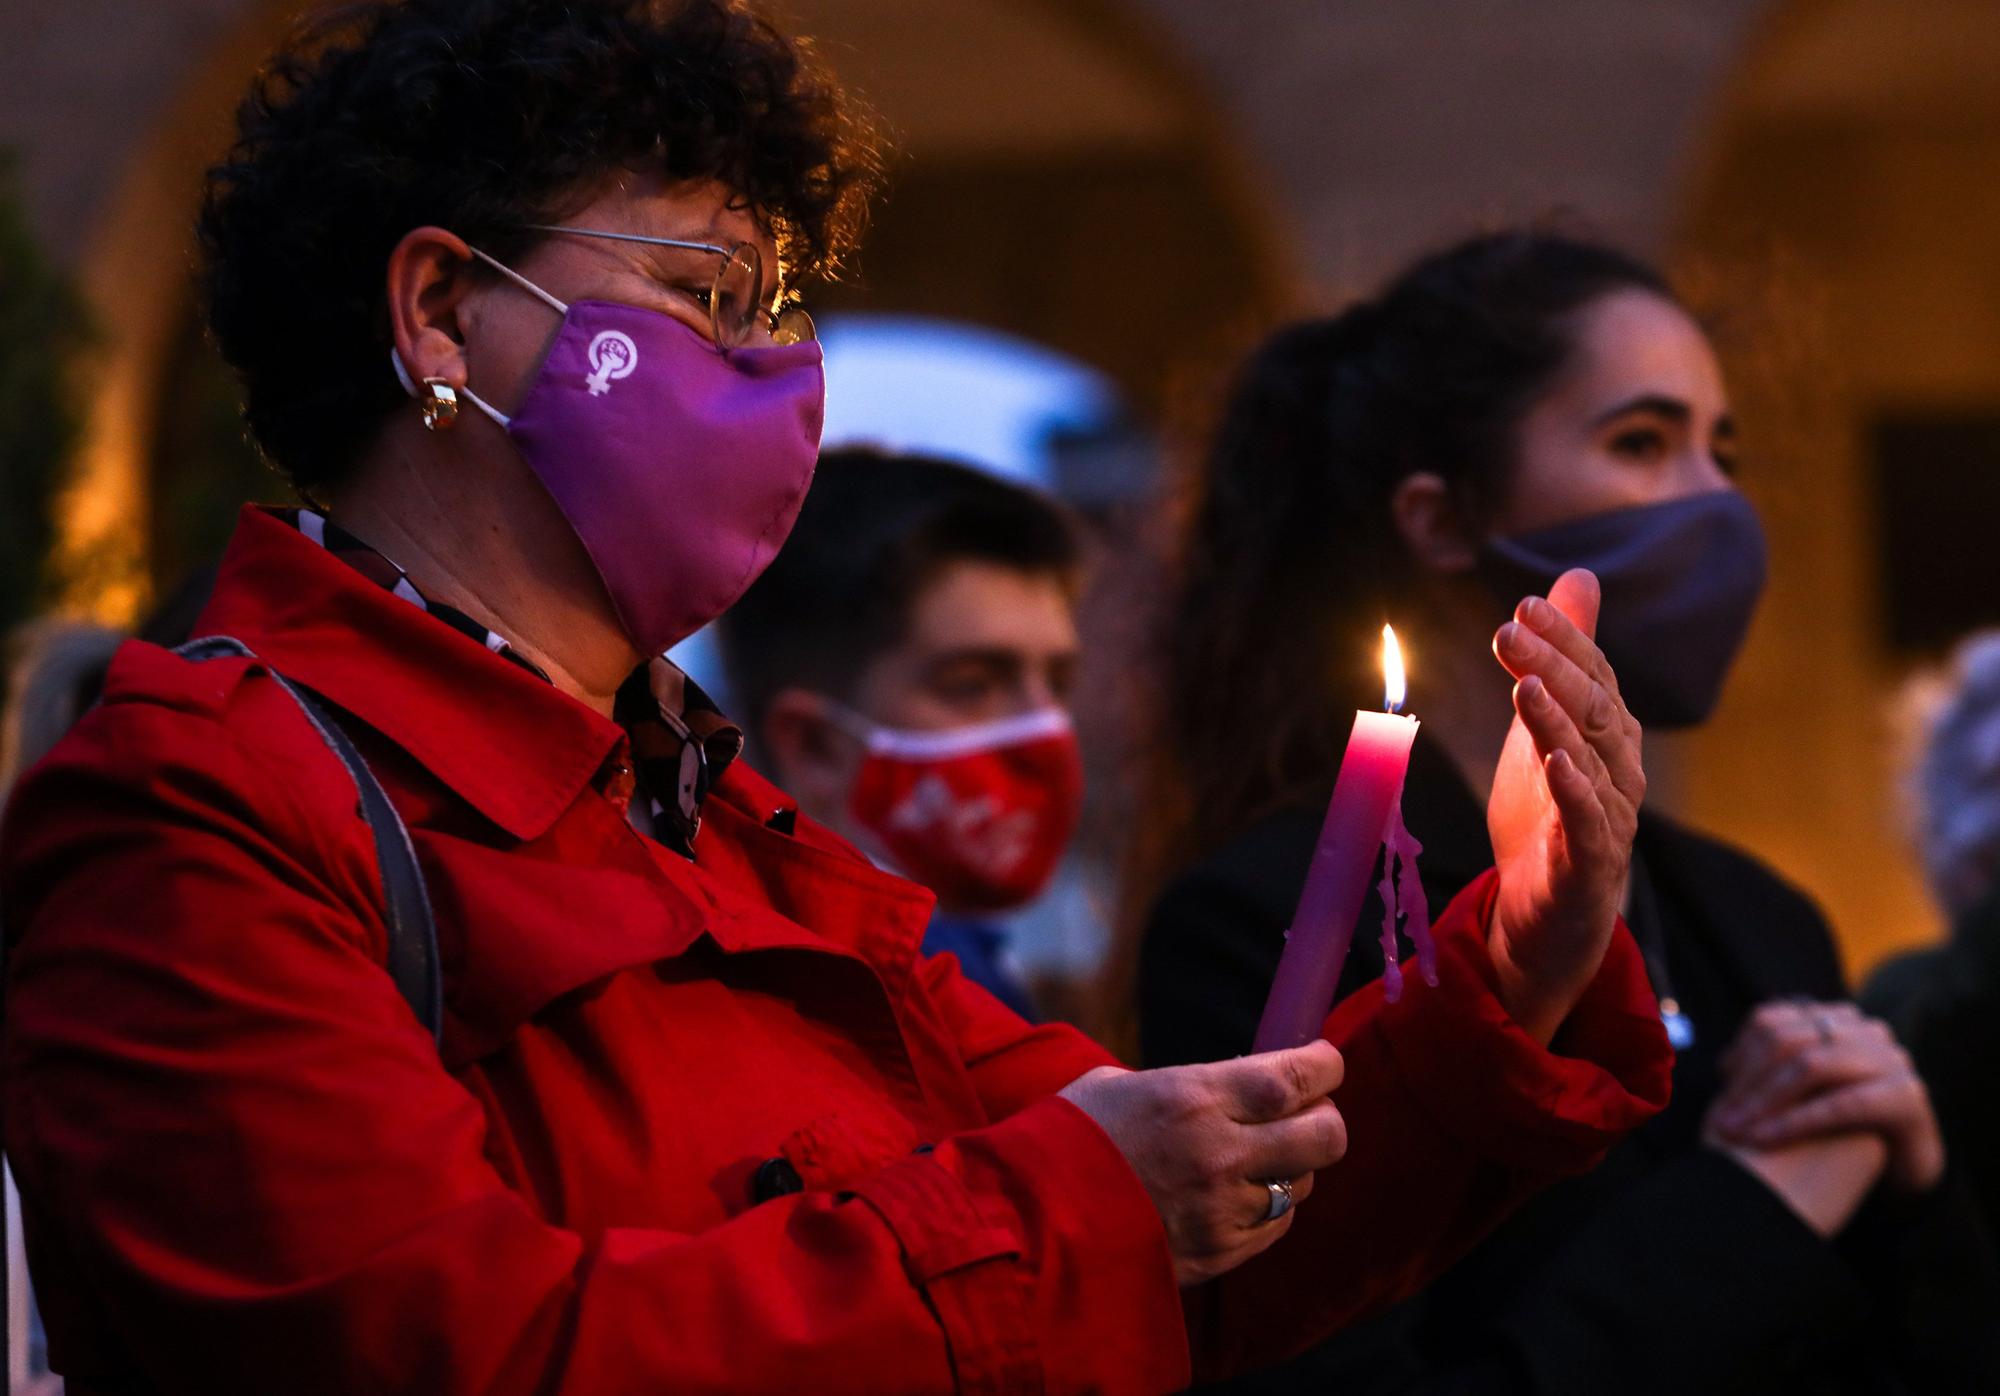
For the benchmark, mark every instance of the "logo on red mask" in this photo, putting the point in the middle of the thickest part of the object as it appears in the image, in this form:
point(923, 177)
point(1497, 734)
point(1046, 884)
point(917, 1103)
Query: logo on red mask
point(980, 815)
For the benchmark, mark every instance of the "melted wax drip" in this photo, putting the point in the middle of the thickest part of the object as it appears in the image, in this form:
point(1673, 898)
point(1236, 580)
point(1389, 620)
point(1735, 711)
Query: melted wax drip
point(1402, 893)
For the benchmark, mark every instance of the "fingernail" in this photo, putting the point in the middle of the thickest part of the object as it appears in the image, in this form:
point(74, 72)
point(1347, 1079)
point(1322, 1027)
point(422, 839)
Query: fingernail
point(1510, 636)
point(1535, 612)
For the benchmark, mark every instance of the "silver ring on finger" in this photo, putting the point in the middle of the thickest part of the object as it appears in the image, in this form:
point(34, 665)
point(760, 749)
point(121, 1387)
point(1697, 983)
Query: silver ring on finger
point(1282, 1200)
point(1824, 1023)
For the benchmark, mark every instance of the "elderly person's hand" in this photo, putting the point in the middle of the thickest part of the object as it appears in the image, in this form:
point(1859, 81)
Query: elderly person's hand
point(1803, 1070)
point(1564, 807)
point(1210, 1141)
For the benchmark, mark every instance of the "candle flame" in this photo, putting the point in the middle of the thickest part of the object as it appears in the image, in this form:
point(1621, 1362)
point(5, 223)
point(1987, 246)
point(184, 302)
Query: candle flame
point(1395, 687)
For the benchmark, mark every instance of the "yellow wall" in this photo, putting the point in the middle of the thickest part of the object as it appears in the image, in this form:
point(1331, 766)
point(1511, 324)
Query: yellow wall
point(1852, 239)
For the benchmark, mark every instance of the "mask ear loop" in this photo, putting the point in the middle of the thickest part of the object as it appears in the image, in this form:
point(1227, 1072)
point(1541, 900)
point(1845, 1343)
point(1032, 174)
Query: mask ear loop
point(845, 719)
point(519, 280)
point(500, 419)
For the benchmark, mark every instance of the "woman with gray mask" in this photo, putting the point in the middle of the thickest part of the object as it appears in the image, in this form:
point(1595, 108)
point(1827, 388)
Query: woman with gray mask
point(1504, 410)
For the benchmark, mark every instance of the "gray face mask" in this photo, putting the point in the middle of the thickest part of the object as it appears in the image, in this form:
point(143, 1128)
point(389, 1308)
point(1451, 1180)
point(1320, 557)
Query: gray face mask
point(1681, 582)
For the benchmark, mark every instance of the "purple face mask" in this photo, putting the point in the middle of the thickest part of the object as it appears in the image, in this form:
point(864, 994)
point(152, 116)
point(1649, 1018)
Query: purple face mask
point(1681, 581)
point(680, 468)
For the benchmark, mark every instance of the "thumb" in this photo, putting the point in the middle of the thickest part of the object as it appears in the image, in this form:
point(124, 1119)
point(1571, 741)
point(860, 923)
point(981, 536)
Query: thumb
point(1577, 595)
point(1277, 1085)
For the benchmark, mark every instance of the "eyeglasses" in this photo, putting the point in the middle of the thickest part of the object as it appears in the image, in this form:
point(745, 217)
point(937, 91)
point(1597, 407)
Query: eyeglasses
point(734, 310)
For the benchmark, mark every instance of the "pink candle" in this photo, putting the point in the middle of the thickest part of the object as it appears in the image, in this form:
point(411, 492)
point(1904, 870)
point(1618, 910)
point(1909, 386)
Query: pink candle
point(1364, 809)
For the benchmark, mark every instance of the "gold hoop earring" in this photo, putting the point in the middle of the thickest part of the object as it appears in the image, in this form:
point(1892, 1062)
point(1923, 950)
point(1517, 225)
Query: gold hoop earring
point(440, 405)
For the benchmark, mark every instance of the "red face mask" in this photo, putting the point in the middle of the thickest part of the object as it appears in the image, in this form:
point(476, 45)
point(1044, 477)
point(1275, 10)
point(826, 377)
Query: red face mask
point(980, 815)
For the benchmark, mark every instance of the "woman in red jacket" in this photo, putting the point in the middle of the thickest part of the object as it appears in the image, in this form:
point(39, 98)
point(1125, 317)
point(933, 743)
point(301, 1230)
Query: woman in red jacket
point(510, 287)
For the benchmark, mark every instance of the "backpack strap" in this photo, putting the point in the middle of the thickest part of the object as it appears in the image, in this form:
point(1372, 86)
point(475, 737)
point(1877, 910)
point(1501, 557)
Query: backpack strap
point(413, 948)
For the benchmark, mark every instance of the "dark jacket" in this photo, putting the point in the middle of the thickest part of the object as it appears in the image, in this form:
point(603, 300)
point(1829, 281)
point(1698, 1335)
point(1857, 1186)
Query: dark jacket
point(1945, 1005)
point(1670, 1268)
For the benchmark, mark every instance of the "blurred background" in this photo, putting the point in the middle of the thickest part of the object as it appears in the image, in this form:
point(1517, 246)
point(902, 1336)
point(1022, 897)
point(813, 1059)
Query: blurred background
point(1097, 202)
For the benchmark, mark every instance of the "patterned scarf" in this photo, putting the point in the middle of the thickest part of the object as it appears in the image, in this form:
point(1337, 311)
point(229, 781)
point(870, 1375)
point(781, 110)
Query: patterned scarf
point(681, 742)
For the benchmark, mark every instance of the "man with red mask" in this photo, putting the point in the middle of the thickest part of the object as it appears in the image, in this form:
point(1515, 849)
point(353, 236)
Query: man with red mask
point(905, 665)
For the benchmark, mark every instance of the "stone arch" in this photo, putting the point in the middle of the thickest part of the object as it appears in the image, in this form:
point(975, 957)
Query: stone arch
point(1074, 223)
point(122, 215)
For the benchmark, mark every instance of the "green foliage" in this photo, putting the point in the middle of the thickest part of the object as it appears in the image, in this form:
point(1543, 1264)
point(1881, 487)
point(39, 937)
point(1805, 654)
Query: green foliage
point(202, 467)
point(43, 328)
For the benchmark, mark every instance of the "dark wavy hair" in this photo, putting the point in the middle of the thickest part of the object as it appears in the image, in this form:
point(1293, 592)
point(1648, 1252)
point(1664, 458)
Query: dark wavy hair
point(1287, 534)
point(481, 116)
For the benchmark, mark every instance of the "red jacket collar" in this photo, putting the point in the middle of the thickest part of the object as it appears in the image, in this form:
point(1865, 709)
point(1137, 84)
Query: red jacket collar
point(516, 748)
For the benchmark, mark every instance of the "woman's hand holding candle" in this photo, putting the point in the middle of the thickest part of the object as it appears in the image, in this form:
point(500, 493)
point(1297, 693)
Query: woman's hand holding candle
point(1207, 1141)
point(1564, 808)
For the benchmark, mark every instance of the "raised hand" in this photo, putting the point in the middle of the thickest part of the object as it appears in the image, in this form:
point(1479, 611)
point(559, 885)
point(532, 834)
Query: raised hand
point(1564, 808)
point(1207, 1141)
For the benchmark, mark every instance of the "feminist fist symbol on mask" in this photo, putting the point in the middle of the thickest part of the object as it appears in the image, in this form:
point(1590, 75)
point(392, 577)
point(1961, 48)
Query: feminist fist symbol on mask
point(612, 356)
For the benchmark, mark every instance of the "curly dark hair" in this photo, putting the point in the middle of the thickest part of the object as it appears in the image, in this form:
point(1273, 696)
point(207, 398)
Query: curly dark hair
point(482, 116)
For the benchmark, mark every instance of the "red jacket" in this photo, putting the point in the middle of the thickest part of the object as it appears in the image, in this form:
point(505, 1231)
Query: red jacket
point(246, 1169)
